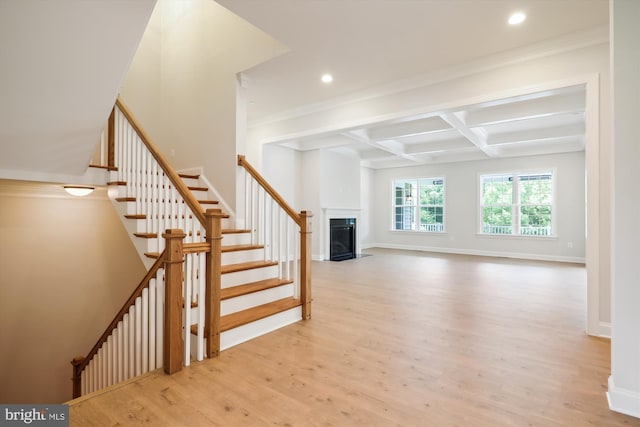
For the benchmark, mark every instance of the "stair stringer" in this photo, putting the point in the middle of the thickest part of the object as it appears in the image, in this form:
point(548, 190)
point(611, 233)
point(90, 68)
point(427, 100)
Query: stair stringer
point(222, 204)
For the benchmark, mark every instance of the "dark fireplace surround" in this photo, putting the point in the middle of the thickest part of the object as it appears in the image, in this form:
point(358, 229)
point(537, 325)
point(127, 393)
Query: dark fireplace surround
point(342, 239)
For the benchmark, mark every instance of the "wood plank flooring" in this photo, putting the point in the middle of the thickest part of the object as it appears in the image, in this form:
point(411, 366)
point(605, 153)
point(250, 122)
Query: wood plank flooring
point(398, 339)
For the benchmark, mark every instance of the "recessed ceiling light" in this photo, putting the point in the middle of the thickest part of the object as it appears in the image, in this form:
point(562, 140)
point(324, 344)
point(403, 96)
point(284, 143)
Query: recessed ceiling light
point(326, 78)
point(517, 18)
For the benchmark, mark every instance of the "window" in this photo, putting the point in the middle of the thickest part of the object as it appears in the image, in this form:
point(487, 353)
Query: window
point(419, 204)
point(519, 204)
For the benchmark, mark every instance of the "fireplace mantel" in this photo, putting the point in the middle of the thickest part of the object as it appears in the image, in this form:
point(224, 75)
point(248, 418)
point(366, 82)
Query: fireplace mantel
point(331, 213)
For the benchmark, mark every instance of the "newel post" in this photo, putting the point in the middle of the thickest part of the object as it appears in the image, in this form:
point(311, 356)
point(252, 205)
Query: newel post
point(77, 378)
point(111, 135)
point(305, 263)
point(173, 261)
point(213, 228)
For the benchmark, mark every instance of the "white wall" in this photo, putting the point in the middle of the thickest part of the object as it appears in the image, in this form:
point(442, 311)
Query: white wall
point(367, 203)
point(462, 210)
point(282, 169)
point(624, 383)
point(67, 267)
point(182, 85)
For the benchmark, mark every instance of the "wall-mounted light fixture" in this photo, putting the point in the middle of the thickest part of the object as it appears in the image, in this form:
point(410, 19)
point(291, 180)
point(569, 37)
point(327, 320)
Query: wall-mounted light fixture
point(78, 190)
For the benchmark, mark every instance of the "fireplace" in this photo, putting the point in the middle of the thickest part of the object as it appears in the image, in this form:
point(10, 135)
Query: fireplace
point(342, 238)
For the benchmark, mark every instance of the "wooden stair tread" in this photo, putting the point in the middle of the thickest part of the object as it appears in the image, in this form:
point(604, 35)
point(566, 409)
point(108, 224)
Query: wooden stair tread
point(188, 176)
point(146, 235)
point(232, 268)
point(135, 216)
point(249, 315)
point(208, 202)
point(249, 288)
point(117, 183)
point(235, 231)
point(198, 188)
point(236, 248)
point(153, 255)
point(125, 199)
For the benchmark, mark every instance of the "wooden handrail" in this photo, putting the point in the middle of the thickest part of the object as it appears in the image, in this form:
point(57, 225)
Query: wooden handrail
point(177, 182)
point(242, 161)
point(80, 365)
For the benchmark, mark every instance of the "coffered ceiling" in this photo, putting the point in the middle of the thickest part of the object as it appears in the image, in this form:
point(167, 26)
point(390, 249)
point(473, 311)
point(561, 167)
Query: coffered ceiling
point(541, 123)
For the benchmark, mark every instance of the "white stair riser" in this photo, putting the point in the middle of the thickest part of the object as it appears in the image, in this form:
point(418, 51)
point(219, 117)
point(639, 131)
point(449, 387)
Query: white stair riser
point(194, 316)
point(255, 299)
point(260, 327)
point(237, 257)
point(192, 182)
point(236, 239)
point(248, 276)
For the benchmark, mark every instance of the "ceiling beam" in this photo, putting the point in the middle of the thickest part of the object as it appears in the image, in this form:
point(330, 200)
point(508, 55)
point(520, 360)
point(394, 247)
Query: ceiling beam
point(476, 136)
point(531, 135)
point(539, 107)
point(403, 129)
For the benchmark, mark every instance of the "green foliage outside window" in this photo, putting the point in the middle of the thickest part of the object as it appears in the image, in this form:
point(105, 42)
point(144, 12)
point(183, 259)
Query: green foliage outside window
point(517, 204)
point(421, 199)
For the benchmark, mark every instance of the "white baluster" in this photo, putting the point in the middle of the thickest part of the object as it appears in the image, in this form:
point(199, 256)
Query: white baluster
point(201, 306)
point(125, 347)
point(132, 342)
point(159, 317)
point(144, 339)
point(113, 357)
point(186, 297)
point(152, 324)
point(118, 143)
point(155, 194)
point(107, 362)
point(121, 351)
point(128, 158)
point(138, 335)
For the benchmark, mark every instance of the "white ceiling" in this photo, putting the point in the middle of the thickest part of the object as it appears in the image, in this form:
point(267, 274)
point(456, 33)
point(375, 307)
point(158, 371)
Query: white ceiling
point(369, 44)
point(62, 65)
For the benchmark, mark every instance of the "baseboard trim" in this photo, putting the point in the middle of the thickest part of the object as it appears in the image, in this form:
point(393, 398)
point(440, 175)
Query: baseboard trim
point(604, 330)
point(622, 400)
point(516, 255)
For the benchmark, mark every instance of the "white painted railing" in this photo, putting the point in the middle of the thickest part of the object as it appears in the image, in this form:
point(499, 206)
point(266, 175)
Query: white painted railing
point(524, 231)
point(150, 185)
point(432, 227)
point(273, 228)
point(284, 233)
point(135, 346)
point(154, 194)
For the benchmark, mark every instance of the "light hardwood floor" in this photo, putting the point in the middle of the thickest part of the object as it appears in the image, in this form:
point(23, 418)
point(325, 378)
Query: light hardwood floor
point(398, 339)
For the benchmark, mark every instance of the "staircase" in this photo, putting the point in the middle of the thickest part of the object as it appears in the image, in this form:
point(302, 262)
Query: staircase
point(225, 285)
point(251, 288)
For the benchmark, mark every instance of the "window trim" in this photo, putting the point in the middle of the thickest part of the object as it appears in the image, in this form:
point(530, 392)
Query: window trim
point(417, 205)
point(516, 205)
